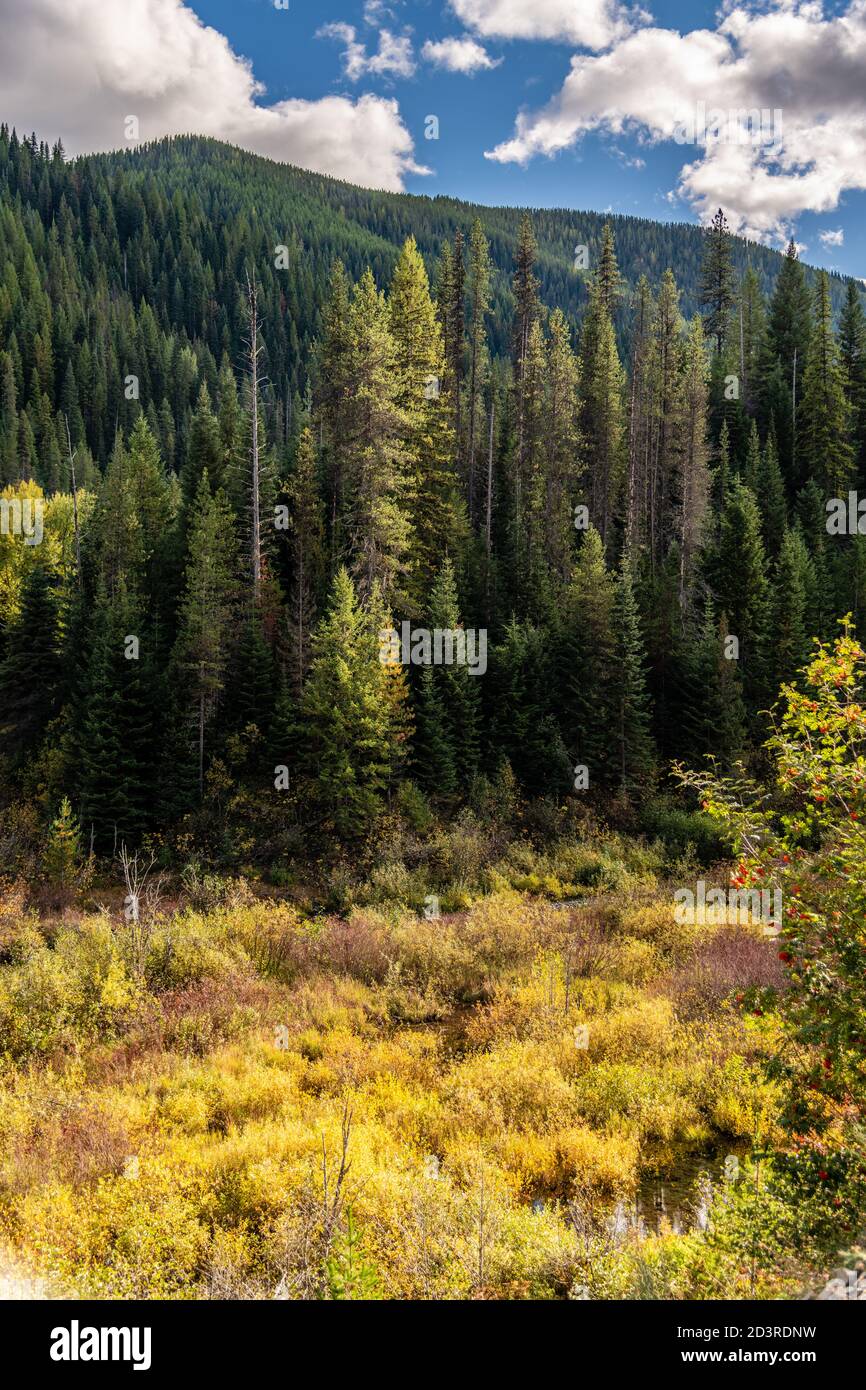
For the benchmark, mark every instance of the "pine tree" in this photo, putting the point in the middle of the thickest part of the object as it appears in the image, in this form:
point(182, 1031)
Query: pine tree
point(63, 849)
point(694, 481)
point(356, 724)
point(205, 450)
point(634, 755)
point(751, 328)
point(376, 486)
point(608, 278)
point(784, 358)
point(562, 446)
point(603, 415)
point(206, 615)
point(789, 636)
point(307, 545)
point(824, 419)
point(713, 714)
point(116, 745)
point(852, 347)
point(586, 663)
point(770, 492)
point(479, 305)
point(738, 575)
point(458, 688)
point(641, 419)
point(332, 399)
point(717, 281)
point(31, 672)
point(429, 440)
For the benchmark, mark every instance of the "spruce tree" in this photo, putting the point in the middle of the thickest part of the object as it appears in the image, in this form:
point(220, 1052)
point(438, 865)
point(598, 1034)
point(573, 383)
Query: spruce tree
point(206, 617)
point(587, 654)
point(852, 347)
point(355, 716)
point(307, 546)
point(824, 418)
point(634, 757)
point(31, 673)
point(717, 281)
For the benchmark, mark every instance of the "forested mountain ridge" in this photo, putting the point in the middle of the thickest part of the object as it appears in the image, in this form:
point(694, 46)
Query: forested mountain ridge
point(263, 430)
point(169, 225)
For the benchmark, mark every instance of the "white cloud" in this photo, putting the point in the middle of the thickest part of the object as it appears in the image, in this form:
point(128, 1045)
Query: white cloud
point(590, 23)
point(394, 56)
point(788, 56)
point(829, 238)
point(459, 55)
point(78, 68)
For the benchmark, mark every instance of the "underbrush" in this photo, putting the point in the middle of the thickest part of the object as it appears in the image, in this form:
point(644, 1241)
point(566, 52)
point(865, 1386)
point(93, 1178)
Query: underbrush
point(240, 1097)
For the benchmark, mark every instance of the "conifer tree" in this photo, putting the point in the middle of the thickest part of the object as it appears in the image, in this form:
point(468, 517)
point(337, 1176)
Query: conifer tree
point(63, 849)
point(307, 542)
point(789, 635)
point(205, 450)
point(787, 343)
point(429, 441)
point(458, 688)
point(603, 415)
point(479, 304)
point(738, 575)
point(116, 746)
point(694, 481)
point(852, 347)
point(206, 614)
point(356, 720)
point(717, 281)
point(634, 756)
point(31, 672)
point(562, 446)
point(586, 663)
point(824, 419)
point(376, 487)
point(714, 715)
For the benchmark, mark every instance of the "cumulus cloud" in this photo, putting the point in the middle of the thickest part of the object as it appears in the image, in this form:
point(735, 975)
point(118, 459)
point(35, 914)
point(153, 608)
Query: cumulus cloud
point(829, 238)
point(589, 23)
point(394, 57)
point(78, 68)
point(790, 57)
point(459, 55)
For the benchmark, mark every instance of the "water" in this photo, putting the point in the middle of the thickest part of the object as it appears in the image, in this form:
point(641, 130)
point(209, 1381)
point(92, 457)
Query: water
point(676, 1198)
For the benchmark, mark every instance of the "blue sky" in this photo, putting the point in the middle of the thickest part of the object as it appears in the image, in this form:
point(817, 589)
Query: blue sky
point(572, 103)
point(477, 112)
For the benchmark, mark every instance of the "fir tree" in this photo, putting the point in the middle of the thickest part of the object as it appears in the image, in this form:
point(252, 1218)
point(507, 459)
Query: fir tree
point(634, 757)
point(717, 281)
point(356, 726)
point(824, 420)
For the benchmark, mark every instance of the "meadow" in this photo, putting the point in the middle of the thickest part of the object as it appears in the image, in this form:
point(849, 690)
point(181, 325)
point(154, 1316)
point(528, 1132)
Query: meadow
point(242, 1096)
